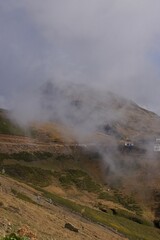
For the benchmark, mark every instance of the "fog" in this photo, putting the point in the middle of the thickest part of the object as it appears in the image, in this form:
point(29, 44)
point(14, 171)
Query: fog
point(54, 54)
point(84, 50)
point(109, 44)
point(61, 60)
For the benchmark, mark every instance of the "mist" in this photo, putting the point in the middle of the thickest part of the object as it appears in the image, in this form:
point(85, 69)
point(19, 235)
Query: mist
point(80, 63)
point(60, 60)
point(78, 46)
point(108, 45)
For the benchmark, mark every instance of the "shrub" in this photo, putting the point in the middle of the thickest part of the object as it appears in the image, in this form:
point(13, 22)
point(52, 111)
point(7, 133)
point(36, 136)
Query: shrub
point(14, 236)
point(26, 156)
point(106, 196)
point(128, 202)
point(32, 175)
point(80, 179)
point(22, 196)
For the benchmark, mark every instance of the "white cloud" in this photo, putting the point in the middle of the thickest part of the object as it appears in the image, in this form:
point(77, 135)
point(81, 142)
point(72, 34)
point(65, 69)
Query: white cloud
point(2, 102)
point(111, 44)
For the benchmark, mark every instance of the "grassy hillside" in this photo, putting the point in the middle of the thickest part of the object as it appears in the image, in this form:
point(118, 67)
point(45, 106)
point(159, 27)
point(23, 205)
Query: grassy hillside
point(125, 215)
point(112, 186)
point(79, 191)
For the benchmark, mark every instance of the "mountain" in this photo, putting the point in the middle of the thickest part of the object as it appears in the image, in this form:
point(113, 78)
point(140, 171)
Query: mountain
point(88, 110)
point(76, 162)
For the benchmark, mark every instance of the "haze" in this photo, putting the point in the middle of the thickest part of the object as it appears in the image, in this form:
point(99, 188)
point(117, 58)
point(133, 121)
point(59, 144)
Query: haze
point(107, 44)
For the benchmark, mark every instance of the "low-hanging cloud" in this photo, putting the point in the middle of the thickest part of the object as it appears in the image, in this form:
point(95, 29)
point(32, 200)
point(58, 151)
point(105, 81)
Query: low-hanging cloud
point(55, 53)
point(111, 45)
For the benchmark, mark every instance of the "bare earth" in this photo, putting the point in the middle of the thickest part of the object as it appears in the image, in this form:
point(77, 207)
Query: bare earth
point(46, 220)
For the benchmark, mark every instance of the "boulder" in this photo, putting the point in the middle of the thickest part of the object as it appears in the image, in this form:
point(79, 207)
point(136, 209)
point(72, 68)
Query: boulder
point(71, 227)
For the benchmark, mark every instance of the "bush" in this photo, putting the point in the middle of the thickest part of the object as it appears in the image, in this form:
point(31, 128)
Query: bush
point(32, 175)
point(14, 236)
point(128, 202)
point(80, 179)
point(26, 156)
point(132, 217)
point(106, 196)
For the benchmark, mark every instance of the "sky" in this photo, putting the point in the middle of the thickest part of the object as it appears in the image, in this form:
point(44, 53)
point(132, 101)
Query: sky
point(111, 45)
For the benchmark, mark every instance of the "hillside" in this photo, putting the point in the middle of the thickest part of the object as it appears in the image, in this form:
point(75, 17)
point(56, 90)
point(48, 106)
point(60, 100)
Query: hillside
point(92, 179)
point(20, 208)
point(46, 210)
point(85, 110)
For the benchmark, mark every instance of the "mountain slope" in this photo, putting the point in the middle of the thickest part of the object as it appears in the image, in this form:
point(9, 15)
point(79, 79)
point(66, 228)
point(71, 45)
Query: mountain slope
point(20, 207)
point(79, 155)
point(85, 110)
point(47, 214)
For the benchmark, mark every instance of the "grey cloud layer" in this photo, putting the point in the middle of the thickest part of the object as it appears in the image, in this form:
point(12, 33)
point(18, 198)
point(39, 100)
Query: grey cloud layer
point(110, 44)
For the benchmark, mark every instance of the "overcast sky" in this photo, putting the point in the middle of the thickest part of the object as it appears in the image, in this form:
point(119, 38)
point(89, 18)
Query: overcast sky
point(110, 44)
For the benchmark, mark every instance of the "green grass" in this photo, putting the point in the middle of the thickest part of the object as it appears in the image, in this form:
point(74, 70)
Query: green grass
point(126, 201)
point(26, 156)
point(80, 179)
point(32, 175)
point(22, 196)
point(63, 157)
point(132, 226)
point(134, 230)
point(131, 216)
point(124, 213)
point(14, 236)
point(106, 196)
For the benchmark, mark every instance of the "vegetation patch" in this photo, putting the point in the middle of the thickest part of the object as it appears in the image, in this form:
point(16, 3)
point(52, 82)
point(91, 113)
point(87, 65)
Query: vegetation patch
point(126, 201)
point(131, 216)
point(24, 233)
point(106, 196)
point(131, 229)
point(22, 196)
point(14, 236)
point(27, 156)
point(61, 157)
point(80, 179)
point(124, 213)
point(32, 175)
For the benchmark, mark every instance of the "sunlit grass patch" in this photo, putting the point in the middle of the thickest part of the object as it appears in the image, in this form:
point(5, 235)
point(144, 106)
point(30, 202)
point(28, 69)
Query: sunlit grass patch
point(32, 175)
point(132, 229)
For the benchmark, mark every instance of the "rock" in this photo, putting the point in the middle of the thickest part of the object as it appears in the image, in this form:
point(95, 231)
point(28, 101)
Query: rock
point(157, 223)
point(71, 227)
point(103, 209)
point(114, 211)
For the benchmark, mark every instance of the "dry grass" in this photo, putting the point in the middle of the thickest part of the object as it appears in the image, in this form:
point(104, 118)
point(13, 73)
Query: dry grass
point(45, 220)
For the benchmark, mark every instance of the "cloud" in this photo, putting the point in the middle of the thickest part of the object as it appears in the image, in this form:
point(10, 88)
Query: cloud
point(109, 44)
point(2, 102)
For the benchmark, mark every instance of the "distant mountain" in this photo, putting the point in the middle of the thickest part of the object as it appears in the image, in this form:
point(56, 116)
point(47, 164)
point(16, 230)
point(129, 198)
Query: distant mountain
point(88, 111)
point(85, 114)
